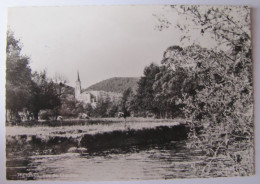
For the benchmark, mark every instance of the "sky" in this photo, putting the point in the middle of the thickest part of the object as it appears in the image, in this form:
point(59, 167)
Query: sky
point(100, 42)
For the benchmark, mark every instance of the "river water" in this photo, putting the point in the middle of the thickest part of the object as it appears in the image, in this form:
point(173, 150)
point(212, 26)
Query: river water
point(155, 161)
point(172, 160)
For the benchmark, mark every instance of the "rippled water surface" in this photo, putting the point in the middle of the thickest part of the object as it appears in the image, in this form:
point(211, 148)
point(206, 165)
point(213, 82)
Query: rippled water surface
point(172, 160)
point(155, 161)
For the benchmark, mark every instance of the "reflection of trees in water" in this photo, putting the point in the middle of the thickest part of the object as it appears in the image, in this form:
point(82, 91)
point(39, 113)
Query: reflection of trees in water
point(170, 160)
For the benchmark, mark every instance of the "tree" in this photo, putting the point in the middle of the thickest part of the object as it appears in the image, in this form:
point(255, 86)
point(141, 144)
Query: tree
point(228, 26)
point(127, 102)
point(144, 98)
point(102, 107)
point(113, 110)
point(43, 94)
point(223, 101)
point(24, 90)
point(89, 109)
point(168, 88)
point(68, 108)
point(60, 82)
point(18, 77)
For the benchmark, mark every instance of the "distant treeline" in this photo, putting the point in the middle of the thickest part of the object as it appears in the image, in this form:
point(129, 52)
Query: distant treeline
point(186, 83)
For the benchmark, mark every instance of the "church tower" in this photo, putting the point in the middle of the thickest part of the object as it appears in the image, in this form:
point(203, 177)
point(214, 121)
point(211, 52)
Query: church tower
point(78, 88)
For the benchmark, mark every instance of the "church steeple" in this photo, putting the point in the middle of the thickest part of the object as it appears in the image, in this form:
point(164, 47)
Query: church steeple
point(78, 77)
point(78, 87)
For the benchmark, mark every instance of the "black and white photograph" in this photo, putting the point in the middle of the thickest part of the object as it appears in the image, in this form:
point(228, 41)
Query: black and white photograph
point(129, 93)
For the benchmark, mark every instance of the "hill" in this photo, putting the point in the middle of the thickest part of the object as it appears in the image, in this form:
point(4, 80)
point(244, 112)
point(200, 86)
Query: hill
point(116, 84)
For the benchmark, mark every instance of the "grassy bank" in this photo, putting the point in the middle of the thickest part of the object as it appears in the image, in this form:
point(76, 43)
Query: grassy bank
point(158, 135)
point(94, 142)
point(72, 122)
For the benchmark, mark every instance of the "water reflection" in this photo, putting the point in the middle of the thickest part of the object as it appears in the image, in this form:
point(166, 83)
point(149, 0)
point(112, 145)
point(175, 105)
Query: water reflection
point(164, 161)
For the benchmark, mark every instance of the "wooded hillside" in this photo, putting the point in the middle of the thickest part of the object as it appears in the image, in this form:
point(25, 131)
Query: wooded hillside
point(116, 84)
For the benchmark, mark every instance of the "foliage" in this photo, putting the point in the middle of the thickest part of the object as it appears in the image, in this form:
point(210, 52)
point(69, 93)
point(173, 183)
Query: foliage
point(168, 88)
point(221, 81)
point(102, 107)
point(144, 98)
point(113, 110)
point(68, 107)
point(223, 105)
point(126, 105)
point(228, 26)
point(89, 110)
point(28, 93)
point(18, 76)
point(43, 94)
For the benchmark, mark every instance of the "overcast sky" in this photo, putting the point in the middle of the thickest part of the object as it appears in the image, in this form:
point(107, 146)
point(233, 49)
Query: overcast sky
point(99, 41)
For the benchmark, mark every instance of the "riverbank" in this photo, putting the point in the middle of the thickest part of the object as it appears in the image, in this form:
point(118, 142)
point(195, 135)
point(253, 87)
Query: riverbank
point(62, 142)
point(30, 146)
point(73, 122)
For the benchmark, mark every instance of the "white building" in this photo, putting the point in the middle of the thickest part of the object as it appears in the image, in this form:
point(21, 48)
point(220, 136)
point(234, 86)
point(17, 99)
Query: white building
point(92, 97)
point(86, 96)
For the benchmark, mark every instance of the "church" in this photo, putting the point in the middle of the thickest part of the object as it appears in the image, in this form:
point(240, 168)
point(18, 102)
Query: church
point(90, 97)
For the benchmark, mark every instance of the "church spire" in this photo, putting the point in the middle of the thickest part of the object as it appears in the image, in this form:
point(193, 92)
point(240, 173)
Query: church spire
point(77, 88)
point(78, 77)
